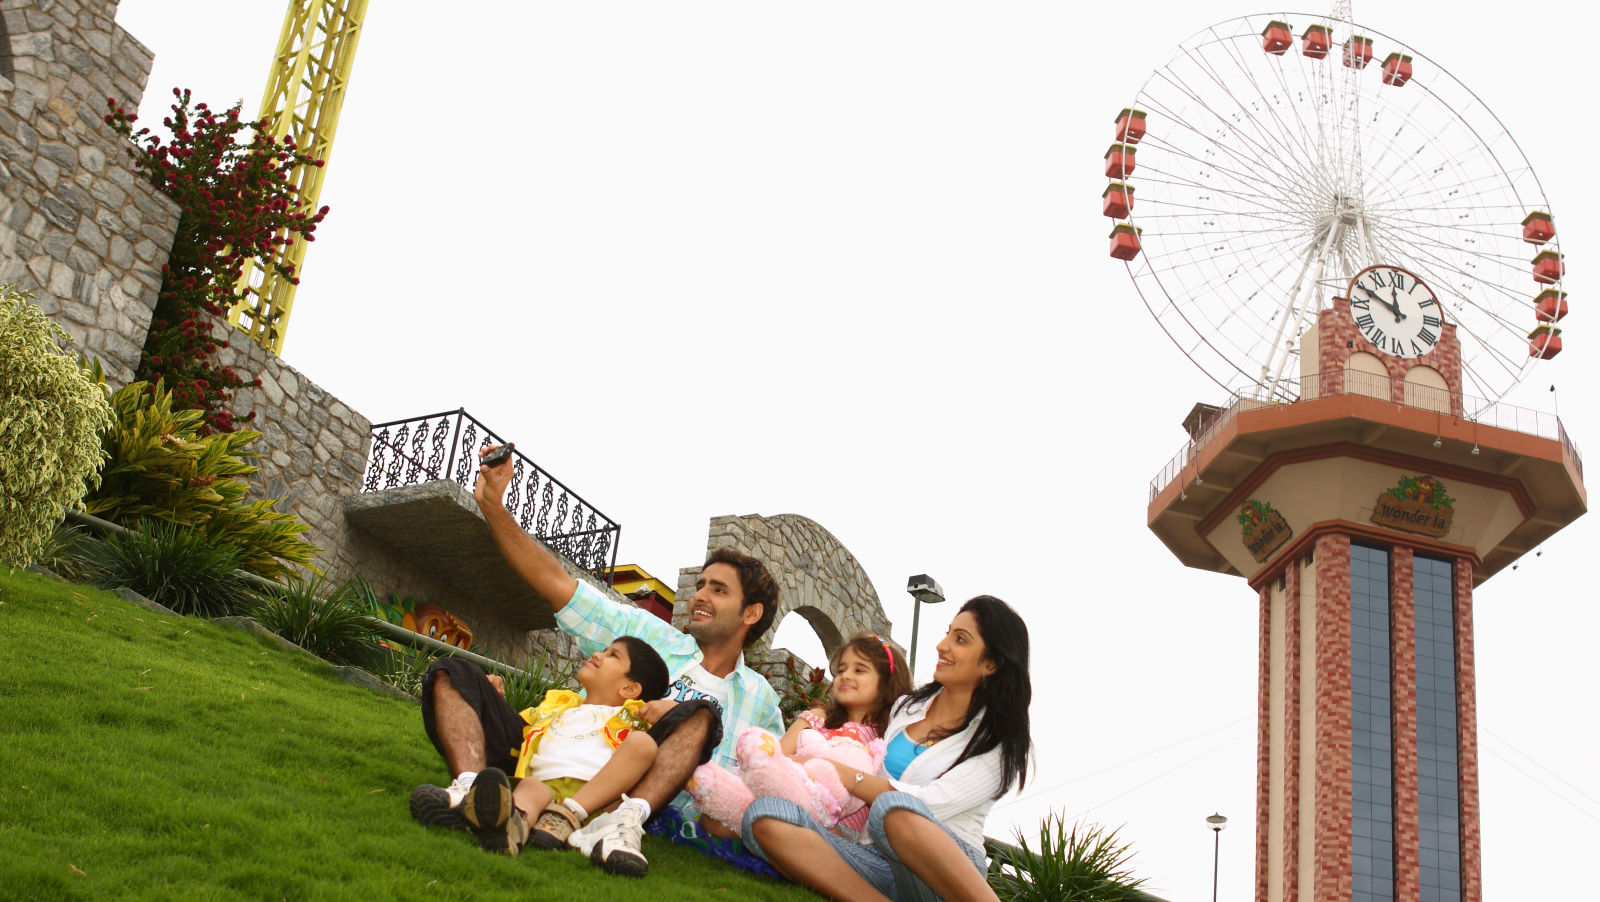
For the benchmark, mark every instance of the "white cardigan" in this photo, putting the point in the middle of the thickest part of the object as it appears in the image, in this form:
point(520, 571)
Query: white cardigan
point(959, 799)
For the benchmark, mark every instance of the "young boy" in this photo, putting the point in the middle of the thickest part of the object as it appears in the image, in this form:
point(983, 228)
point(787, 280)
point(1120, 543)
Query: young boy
point(566, 741)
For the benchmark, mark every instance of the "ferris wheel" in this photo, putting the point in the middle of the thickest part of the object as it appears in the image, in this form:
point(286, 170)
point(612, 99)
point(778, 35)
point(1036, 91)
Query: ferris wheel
point(1267, 163)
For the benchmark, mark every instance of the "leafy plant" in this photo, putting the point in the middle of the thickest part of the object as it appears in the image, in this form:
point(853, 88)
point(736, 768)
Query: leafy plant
point(330, 624)
point(160, 467)
point(68, 552)
point(238, 203)
point(538, 676)
point(1076, 864)
point(175, 567)
point(52, 411)
point(803, 689)
point(403, 667)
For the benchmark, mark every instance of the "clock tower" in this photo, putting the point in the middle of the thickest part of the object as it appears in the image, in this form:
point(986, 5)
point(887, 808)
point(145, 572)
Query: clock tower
point(1362, 514)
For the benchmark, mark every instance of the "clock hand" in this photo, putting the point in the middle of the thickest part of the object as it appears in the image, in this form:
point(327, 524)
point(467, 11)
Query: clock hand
point(1398, 316)
point(1394, 309)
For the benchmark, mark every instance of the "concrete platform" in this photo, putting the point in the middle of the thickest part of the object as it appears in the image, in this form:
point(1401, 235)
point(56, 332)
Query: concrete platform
point(436, 526)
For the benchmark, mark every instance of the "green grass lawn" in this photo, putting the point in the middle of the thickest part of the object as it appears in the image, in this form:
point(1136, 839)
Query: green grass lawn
point(145, 756)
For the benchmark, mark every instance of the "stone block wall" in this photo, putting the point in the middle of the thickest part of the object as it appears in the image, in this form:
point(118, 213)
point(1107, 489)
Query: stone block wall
point(818, 578)
point(78, 229)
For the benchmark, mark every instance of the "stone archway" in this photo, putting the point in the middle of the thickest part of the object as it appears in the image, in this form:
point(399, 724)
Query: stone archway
point(819, 578)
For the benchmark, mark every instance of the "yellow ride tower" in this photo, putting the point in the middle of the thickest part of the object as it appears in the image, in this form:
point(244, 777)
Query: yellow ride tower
point(305, 90)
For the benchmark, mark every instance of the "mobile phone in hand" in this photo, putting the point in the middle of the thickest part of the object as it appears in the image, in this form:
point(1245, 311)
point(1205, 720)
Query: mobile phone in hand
point(498, 456)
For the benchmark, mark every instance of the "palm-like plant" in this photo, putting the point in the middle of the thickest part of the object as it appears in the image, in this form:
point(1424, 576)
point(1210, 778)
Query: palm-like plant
point(160, 467)
point(331, 623)
point(174, 567)
point(1070, 864)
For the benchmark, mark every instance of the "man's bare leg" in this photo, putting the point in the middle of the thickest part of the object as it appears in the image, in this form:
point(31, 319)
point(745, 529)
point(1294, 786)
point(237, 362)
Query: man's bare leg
point(676, 758)
point(459, 730)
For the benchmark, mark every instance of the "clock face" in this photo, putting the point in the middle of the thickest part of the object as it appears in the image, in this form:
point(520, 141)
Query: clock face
point(1395, 311)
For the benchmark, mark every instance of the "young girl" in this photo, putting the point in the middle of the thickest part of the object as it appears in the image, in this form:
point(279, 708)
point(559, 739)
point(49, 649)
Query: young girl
point(869, 676)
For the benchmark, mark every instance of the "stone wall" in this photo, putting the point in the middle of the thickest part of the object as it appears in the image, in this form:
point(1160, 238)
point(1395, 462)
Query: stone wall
point(818, 577)
point(78, 229)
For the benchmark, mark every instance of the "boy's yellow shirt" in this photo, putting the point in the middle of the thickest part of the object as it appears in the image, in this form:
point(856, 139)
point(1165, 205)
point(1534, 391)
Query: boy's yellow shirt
point(537, 721)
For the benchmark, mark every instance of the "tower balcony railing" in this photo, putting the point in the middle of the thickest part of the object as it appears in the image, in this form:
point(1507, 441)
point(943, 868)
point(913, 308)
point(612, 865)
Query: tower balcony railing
point(445, 446)
point(1375, 385)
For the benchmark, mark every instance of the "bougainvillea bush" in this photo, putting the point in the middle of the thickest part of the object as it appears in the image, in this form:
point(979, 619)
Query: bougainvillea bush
point(232, 181)
point(52, 411)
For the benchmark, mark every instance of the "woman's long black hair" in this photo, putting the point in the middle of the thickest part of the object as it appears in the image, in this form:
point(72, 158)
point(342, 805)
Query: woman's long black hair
point(1001, 699)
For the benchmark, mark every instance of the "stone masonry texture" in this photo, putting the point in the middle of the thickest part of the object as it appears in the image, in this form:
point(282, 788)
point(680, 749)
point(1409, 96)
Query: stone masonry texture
point(78, 230)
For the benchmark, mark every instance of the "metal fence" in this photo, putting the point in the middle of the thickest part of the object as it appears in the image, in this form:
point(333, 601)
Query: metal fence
point(1376, 385)
point(446, 445)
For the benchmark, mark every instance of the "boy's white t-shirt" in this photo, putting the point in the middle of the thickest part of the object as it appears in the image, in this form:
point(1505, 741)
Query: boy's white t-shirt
point(575, 744)
point(697, 682)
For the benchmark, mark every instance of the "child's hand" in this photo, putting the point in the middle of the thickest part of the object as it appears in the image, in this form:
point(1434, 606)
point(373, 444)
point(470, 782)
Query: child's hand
point(654, 711)
point(498, 683)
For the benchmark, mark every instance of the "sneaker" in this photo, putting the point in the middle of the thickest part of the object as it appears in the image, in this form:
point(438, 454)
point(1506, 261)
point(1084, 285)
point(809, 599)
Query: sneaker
point(499, 825)
point(612, 842)
point(554, 826)
point(440, 806)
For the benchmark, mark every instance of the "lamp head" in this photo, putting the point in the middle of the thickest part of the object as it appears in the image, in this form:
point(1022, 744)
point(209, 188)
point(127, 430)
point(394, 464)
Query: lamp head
point(1216, 822)
point(925, 589)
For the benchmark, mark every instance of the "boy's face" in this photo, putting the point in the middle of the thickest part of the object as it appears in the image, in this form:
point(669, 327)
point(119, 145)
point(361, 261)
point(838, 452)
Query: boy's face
point(604, 676)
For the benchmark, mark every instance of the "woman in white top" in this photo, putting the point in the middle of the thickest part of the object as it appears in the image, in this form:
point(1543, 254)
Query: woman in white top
point(955, 745)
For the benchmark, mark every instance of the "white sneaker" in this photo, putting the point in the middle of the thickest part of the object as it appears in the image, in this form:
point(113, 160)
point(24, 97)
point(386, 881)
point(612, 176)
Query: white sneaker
point(612, 841)
point(440, 806)
point(457, 790)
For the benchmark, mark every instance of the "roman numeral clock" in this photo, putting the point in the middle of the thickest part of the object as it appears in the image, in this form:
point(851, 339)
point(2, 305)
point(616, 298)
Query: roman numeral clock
point(1327, 225)
point(1396, 313)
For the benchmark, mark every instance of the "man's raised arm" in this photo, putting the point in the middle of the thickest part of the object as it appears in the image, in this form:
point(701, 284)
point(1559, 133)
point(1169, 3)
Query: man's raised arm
point(535, 564)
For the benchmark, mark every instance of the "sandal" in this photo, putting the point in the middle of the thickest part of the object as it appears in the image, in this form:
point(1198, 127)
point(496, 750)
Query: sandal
point(556, 822)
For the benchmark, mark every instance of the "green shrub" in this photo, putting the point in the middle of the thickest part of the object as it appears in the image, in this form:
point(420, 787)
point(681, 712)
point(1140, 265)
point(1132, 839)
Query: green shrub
point(403, 667)
point(538, 676)
point(161, 468)
point(1067, 866)
point(52, 412)
point(68, 552)
point(331, 624)
point(175, 567)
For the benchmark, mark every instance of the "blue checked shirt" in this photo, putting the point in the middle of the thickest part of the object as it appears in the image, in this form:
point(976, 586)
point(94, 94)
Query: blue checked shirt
point(596, 621)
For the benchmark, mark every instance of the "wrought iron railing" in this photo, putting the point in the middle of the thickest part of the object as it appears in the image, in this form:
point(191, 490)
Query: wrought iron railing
point(446, 445)
point(1377, 385)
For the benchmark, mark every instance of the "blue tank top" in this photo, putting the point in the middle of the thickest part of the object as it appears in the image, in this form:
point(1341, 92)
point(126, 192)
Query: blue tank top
point(902, 751)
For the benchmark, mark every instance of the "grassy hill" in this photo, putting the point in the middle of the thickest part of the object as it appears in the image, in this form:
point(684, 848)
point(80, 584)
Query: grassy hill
point(145, 756)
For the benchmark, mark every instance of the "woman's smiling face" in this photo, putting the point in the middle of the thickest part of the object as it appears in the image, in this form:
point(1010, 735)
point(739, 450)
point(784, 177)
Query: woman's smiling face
point(961, 654)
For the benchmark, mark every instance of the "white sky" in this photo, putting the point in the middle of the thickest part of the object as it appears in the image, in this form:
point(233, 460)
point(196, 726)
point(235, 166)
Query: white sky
point(846, 260)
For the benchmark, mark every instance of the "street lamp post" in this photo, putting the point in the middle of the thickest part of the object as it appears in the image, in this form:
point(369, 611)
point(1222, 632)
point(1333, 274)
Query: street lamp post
point(924, 590)
point(1216, 822)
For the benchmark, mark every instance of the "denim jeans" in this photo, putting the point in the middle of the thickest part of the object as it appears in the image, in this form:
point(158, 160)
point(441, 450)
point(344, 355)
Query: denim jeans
point(876, 863)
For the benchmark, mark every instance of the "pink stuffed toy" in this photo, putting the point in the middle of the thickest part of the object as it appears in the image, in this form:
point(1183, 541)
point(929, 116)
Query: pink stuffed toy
point(766, 771)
